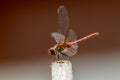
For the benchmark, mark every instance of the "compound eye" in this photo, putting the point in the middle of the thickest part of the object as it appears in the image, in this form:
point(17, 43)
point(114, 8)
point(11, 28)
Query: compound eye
point(52, 52)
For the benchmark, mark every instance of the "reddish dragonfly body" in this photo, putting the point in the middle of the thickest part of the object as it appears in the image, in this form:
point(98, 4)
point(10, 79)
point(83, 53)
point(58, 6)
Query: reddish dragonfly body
point(65, 46)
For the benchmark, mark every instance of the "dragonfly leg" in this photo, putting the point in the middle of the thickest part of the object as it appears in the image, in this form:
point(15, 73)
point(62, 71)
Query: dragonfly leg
point(58, 56)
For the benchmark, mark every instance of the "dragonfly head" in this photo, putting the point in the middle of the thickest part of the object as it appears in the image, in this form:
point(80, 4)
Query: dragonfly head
point(51, 51)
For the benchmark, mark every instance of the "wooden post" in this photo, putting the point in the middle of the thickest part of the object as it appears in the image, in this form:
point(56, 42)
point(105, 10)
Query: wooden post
point(62, 70)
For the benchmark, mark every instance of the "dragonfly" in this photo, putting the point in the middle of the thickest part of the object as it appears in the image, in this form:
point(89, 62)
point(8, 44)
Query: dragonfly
point(65, 46)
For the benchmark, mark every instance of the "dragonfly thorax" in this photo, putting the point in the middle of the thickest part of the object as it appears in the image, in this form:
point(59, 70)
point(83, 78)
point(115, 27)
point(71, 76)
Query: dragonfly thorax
point(61, 46)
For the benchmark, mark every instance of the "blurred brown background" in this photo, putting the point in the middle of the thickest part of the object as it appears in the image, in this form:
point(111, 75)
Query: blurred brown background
point(25, 28)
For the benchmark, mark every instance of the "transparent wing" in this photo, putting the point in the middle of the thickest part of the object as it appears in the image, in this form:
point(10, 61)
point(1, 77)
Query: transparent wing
point(71, 36)
point(63, 20)
point(73, 49)
point(58, 37)
point(70, 51)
